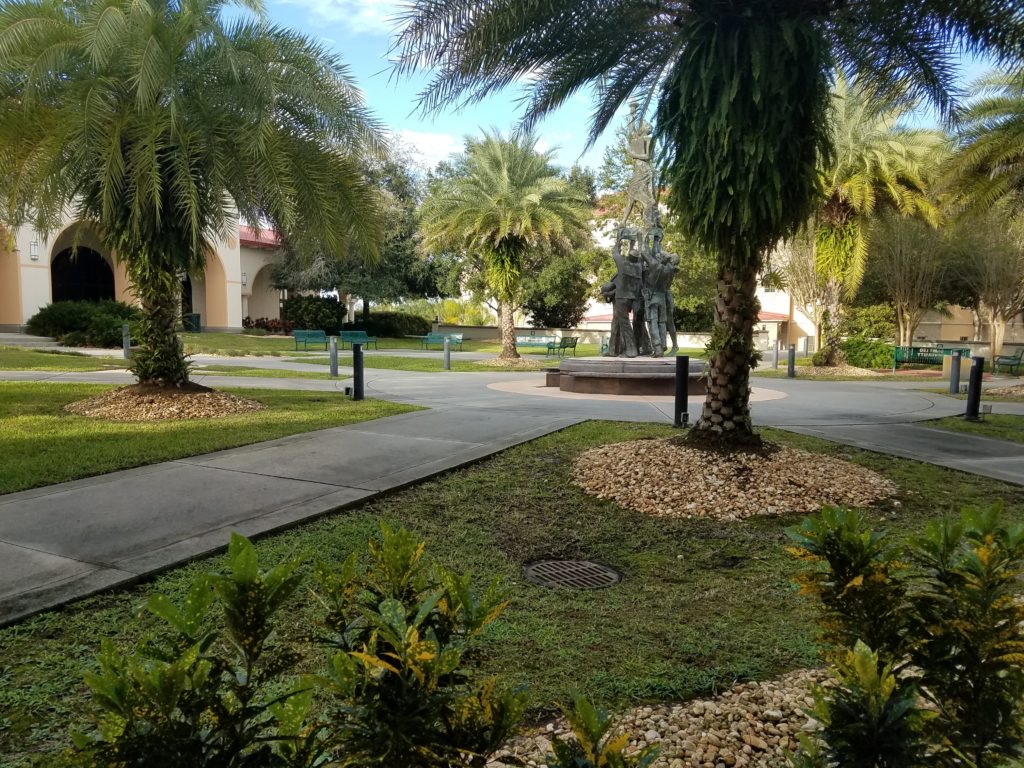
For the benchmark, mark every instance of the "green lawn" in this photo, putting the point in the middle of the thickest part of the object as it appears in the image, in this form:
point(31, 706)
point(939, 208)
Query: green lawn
point(425, 364)
point(1001, 426)
point(42, 444)
point(703, 603)
point(22, 359)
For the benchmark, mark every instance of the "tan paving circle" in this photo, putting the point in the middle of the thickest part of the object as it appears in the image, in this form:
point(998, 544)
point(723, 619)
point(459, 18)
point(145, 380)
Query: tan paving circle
point(536, 387)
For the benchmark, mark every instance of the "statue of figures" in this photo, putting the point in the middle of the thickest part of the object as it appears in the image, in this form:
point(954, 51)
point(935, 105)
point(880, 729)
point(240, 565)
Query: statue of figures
point(625, 290)
point(641, 185)
point(659, 269)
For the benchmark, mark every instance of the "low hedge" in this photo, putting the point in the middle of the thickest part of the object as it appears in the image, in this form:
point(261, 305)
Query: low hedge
point(84, 323)
point(867, 353)
point(392, 325)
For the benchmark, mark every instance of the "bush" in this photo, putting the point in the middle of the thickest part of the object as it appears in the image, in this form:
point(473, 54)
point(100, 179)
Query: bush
point(268, 325)
point(254, 331)
point(877, 321)
point(952, 629)
point(64, 317)
point(867, 353)
point(392, 325)
point(698, 320)
point(314, 313)
point(595, 745)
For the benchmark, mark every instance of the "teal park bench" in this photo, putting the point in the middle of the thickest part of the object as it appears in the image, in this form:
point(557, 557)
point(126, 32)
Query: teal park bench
point(567, 343)
point(307, 337)
point(357, 337)
point(540, 342)
point(454, 340)
point(1013, 362)
point(930, 355)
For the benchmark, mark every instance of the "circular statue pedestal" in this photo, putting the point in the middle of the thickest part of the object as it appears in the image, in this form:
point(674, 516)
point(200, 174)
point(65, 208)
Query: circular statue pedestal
point(624, 376)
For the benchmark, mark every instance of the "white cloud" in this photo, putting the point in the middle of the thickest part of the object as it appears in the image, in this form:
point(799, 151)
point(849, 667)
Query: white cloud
point(361, 16)
point(430, 148)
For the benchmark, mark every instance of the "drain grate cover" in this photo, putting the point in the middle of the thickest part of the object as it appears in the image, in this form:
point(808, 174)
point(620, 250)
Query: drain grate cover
point(577, 574)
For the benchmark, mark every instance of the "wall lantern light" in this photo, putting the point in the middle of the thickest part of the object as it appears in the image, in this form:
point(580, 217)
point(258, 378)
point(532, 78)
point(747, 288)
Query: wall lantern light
point(245, 279)
point(33, 251)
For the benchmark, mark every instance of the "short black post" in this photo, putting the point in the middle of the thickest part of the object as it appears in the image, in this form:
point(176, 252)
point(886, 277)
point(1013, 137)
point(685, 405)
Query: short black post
point(126, 341)
point(974, 389)
point(334, 357)
point(447, 353)
point(357, 371)
point(954, 373)
point(791, 362)
point(682, 404)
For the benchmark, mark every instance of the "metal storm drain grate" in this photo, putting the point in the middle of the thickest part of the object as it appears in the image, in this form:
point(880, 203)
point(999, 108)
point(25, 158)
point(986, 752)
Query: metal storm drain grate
point(577, 574)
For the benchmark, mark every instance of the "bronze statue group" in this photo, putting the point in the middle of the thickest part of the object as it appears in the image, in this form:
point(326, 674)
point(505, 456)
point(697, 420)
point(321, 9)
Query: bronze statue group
point(642, 287)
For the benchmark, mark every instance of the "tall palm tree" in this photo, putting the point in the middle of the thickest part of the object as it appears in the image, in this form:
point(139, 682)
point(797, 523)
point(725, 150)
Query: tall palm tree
point(988, 165)
point(742, 95)
point(162, 121)
point(506, 201)
point(877, 163)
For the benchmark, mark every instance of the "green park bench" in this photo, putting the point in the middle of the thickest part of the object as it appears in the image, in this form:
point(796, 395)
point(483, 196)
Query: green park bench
point(929, 355)
point(454, 340)
point(1013, 362)
point(563, 347)
point(306, 337)
point(357, 337)
point(541, 342)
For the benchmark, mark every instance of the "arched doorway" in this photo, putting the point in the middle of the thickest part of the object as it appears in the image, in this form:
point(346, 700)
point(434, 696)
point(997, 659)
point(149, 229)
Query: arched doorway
point(80, 274)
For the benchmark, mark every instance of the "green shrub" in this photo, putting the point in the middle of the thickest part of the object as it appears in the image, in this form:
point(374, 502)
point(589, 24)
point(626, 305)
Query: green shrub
point(63, 317)
point(75, 339)
point(314, 313)
point(866, 353)
point(877, 321)
point(255, 331)
point(392, 325)
point(950, 624)
point(595, 745)
point(400, 629)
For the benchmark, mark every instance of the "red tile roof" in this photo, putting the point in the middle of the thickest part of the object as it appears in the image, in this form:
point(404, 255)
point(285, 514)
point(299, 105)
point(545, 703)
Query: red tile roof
point(772, 317)
point(267, 238)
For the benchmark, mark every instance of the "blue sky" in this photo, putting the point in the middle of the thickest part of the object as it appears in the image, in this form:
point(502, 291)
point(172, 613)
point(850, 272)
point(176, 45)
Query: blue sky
point(361, 31)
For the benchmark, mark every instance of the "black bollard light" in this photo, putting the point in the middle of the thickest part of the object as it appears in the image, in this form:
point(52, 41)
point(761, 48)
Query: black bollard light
point(791, 362)
point(682, 403)
point(334, 357)
point(974, 389)
point(447, 353)
point(357, 371)
point(954, 373)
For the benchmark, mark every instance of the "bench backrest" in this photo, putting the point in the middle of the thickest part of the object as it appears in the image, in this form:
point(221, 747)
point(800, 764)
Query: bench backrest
point(568, 342)
point(309, 335)
point(455, 337)
point(354, 335)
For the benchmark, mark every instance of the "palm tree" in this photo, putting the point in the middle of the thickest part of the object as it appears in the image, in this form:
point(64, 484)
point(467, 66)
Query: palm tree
point(988, 166)
point(162, 121)
point(506, 201)
point(877, 163)
point(742, 95)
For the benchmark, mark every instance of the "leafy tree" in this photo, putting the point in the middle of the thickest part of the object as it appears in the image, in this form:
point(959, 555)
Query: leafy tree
point(557, 295)
point(877, 164)
point(508, 203)
point(742, 95)
point(161, 123)
point(798, 267)
point(584, 180)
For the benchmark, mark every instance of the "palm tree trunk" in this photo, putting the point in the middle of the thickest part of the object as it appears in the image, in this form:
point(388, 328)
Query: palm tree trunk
point(160, 358)
point(830, 352)
point(506, 314)
point(726, 414)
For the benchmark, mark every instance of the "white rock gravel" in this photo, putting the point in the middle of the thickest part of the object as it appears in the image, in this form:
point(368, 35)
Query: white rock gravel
point(753, 725)
point(661, 478)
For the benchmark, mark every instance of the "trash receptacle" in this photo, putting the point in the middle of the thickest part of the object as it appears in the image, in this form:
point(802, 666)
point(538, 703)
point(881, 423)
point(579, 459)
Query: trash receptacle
point(191, 322)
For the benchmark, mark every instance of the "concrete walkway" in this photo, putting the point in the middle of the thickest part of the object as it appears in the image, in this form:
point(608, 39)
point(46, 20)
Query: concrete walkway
point(66, 541)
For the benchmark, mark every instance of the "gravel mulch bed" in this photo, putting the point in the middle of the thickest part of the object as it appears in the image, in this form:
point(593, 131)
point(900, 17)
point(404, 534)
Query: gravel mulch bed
point(1014, 390)
point(137, 403)
point(835, 370)
point(754, 725)
point(517, 363)
point(665, 479)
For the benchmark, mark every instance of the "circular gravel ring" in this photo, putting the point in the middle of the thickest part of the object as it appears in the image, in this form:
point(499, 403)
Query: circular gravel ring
point(574, 574)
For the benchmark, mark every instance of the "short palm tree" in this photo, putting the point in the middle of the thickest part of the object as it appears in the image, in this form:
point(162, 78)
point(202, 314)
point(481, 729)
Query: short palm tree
point(506, 201)
point(161, 121)
point(877, 163)
point(742, 95)
point(988, 164)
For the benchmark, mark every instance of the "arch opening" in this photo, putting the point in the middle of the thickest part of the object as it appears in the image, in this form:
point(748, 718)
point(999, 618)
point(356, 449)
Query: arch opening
point(81, 274)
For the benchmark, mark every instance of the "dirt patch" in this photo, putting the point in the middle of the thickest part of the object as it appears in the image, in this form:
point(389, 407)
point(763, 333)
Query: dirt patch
point(1015, 391)
point(836, 370)
point(138, 403)
point(660, 478)
point(518, 364)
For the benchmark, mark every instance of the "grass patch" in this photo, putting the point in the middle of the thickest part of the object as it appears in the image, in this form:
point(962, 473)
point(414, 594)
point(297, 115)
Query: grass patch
point(26, 359)
point(985, 396)
point(42, 444)
point(704, 603)
point(423, 364)
point(266, 373)
point(780, 373)
point(1000, 426)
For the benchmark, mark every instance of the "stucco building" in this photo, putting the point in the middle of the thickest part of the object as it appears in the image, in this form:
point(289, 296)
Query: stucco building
point(72, 263)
